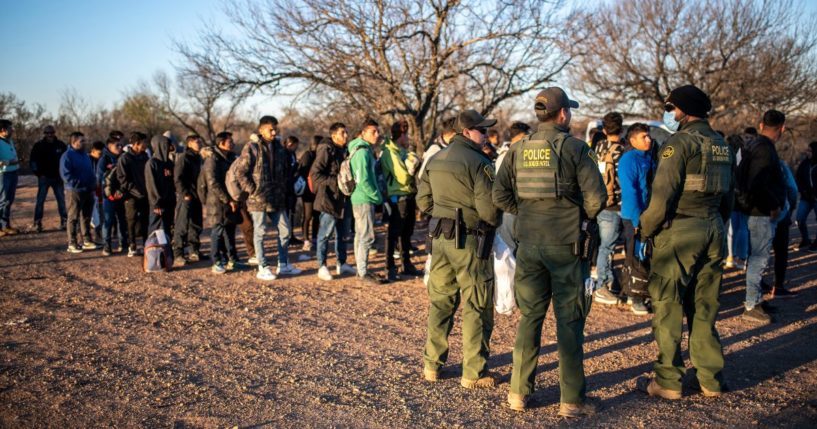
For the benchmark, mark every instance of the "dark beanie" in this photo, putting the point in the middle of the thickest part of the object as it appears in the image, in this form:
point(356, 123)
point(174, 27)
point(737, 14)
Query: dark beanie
point(691, 100)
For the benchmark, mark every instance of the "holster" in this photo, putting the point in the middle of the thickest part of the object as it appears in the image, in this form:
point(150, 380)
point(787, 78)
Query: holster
point(434, 225)
point(485, 240)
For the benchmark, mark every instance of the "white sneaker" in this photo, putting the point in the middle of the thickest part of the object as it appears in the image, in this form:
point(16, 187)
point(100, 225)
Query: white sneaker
point(303, 257)
point(264, 273)
point(287, 270)
point(252, 261)
point(324, 274)
point(89, 246)
point(218, 269)
point(74, 249)
point(345, 269)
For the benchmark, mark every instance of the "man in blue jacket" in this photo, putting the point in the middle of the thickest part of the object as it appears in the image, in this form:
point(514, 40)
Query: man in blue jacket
point(636, 169)
point(80, 183)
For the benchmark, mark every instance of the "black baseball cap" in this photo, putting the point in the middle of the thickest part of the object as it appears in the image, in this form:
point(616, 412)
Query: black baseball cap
point(552, 99)
point(471, 119)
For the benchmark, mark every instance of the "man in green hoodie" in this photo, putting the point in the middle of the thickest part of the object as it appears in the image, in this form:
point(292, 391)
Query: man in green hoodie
point(399, 165)
point(365, 197)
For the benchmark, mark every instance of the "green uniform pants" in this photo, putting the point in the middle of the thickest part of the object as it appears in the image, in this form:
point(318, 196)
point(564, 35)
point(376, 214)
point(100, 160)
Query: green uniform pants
point(542, 273)
point(458, 276)
point(686, 280)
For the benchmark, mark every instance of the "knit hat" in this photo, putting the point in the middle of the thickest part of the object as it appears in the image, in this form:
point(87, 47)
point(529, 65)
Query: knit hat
point(691, 100)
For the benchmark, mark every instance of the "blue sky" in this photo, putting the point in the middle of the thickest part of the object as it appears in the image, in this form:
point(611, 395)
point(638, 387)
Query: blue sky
point(101, 49)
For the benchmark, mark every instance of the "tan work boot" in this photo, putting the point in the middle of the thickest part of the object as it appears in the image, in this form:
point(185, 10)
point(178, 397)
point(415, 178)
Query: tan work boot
point(710, 393)
point(431, 375)
point(655, 389)
point(576, 410)
point(487, 381)
point(518, 402)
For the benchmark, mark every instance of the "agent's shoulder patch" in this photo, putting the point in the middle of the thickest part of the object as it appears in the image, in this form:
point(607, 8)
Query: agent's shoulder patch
point(592, 154)
point(668, 152)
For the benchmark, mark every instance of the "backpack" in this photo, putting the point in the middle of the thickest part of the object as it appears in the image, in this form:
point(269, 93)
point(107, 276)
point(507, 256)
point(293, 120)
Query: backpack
point(158, 255)
point(346, 178)
point(231, 178)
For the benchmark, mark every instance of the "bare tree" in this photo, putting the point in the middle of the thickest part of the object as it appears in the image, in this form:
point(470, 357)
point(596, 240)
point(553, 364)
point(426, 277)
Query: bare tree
point(748, 55)
point(415, 59)
point(202, 106)
point(143, 110)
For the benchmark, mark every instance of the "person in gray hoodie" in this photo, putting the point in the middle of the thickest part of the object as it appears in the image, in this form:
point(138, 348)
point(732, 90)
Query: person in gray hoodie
point(160, 187)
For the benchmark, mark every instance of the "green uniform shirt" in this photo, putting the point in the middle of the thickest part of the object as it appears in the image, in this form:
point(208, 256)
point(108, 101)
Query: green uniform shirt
point(680, 156)
point(552, 220)
point(460, 176)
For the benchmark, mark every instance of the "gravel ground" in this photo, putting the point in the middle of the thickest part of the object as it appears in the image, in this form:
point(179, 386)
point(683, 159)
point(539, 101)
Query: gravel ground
point(93, 341)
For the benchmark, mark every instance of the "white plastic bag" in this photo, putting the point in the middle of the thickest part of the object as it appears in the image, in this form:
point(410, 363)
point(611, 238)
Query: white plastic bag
point(504, 269)
point(427, 270)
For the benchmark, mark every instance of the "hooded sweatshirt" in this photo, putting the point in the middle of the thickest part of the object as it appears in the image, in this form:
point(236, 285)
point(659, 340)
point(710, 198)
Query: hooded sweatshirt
point(159, 175)
point(77, 171)
point(398, 179)
point(362, 163)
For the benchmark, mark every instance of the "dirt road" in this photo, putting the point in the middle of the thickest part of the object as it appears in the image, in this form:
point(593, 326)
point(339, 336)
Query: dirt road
point(92, 341)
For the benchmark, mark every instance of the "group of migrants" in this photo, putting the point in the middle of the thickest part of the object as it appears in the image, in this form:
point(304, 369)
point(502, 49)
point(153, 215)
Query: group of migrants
point(559, 204)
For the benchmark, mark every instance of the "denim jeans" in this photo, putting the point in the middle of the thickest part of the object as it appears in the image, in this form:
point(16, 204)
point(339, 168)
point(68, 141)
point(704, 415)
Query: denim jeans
point(56, 185)
point(8, 189)
point(259, 223)
point(364, 235)
point(114, 210)
point(738, 236)
point(803, 210)
point(328, 225)
point(222, 242)
point(609, 230)
point(761, 234)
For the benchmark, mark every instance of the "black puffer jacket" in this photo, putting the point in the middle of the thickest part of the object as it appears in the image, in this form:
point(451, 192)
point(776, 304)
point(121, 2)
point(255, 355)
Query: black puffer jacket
point(130, 172)
point(324, 173)
point(45, 158)
point(159, 176)
point(186, 174)
point(215, 173)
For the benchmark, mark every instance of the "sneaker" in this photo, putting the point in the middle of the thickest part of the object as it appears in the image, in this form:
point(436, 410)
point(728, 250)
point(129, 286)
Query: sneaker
point(345, 269)
point(106, 251)
point(487, 381)
point(373, 251)
point(37, 227)
point(604, 296)
point(371, 279)
point(729, 262)
point(178, 261)
point(252, 261)
point(307, 246)
point(217, 269)
point(518, 402)
point(233, 265)
point(576, 410)
point(73, 248)
point(195, 257)
point(132, 252)
point(431, 375)
point(303, 257)
point(410, 270)
point(88, 245)
point(757, 314)
point(287, 270)
point(324, 274)
point(740, 264)
point(392, 274)
point(396, 255)
point(638, 307)
point(264, 273)
point(804, 245)
point(783, 293)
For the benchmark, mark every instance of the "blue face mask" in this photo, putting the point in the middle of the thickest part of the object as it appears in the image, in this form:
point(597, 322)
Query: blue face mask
point(670, 122)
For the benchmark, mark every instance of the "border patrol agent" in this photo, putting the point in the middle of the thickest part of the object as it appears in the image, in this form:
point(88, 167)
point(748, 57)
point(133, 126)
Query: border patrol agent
point(458, 179)
point(551, 181)
point(692, 197)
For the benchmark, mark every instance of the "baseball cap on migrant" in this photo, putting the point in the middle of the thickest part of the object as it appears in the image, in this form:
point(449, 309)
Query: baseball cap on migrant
point(472, 120)
point(552, 99)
